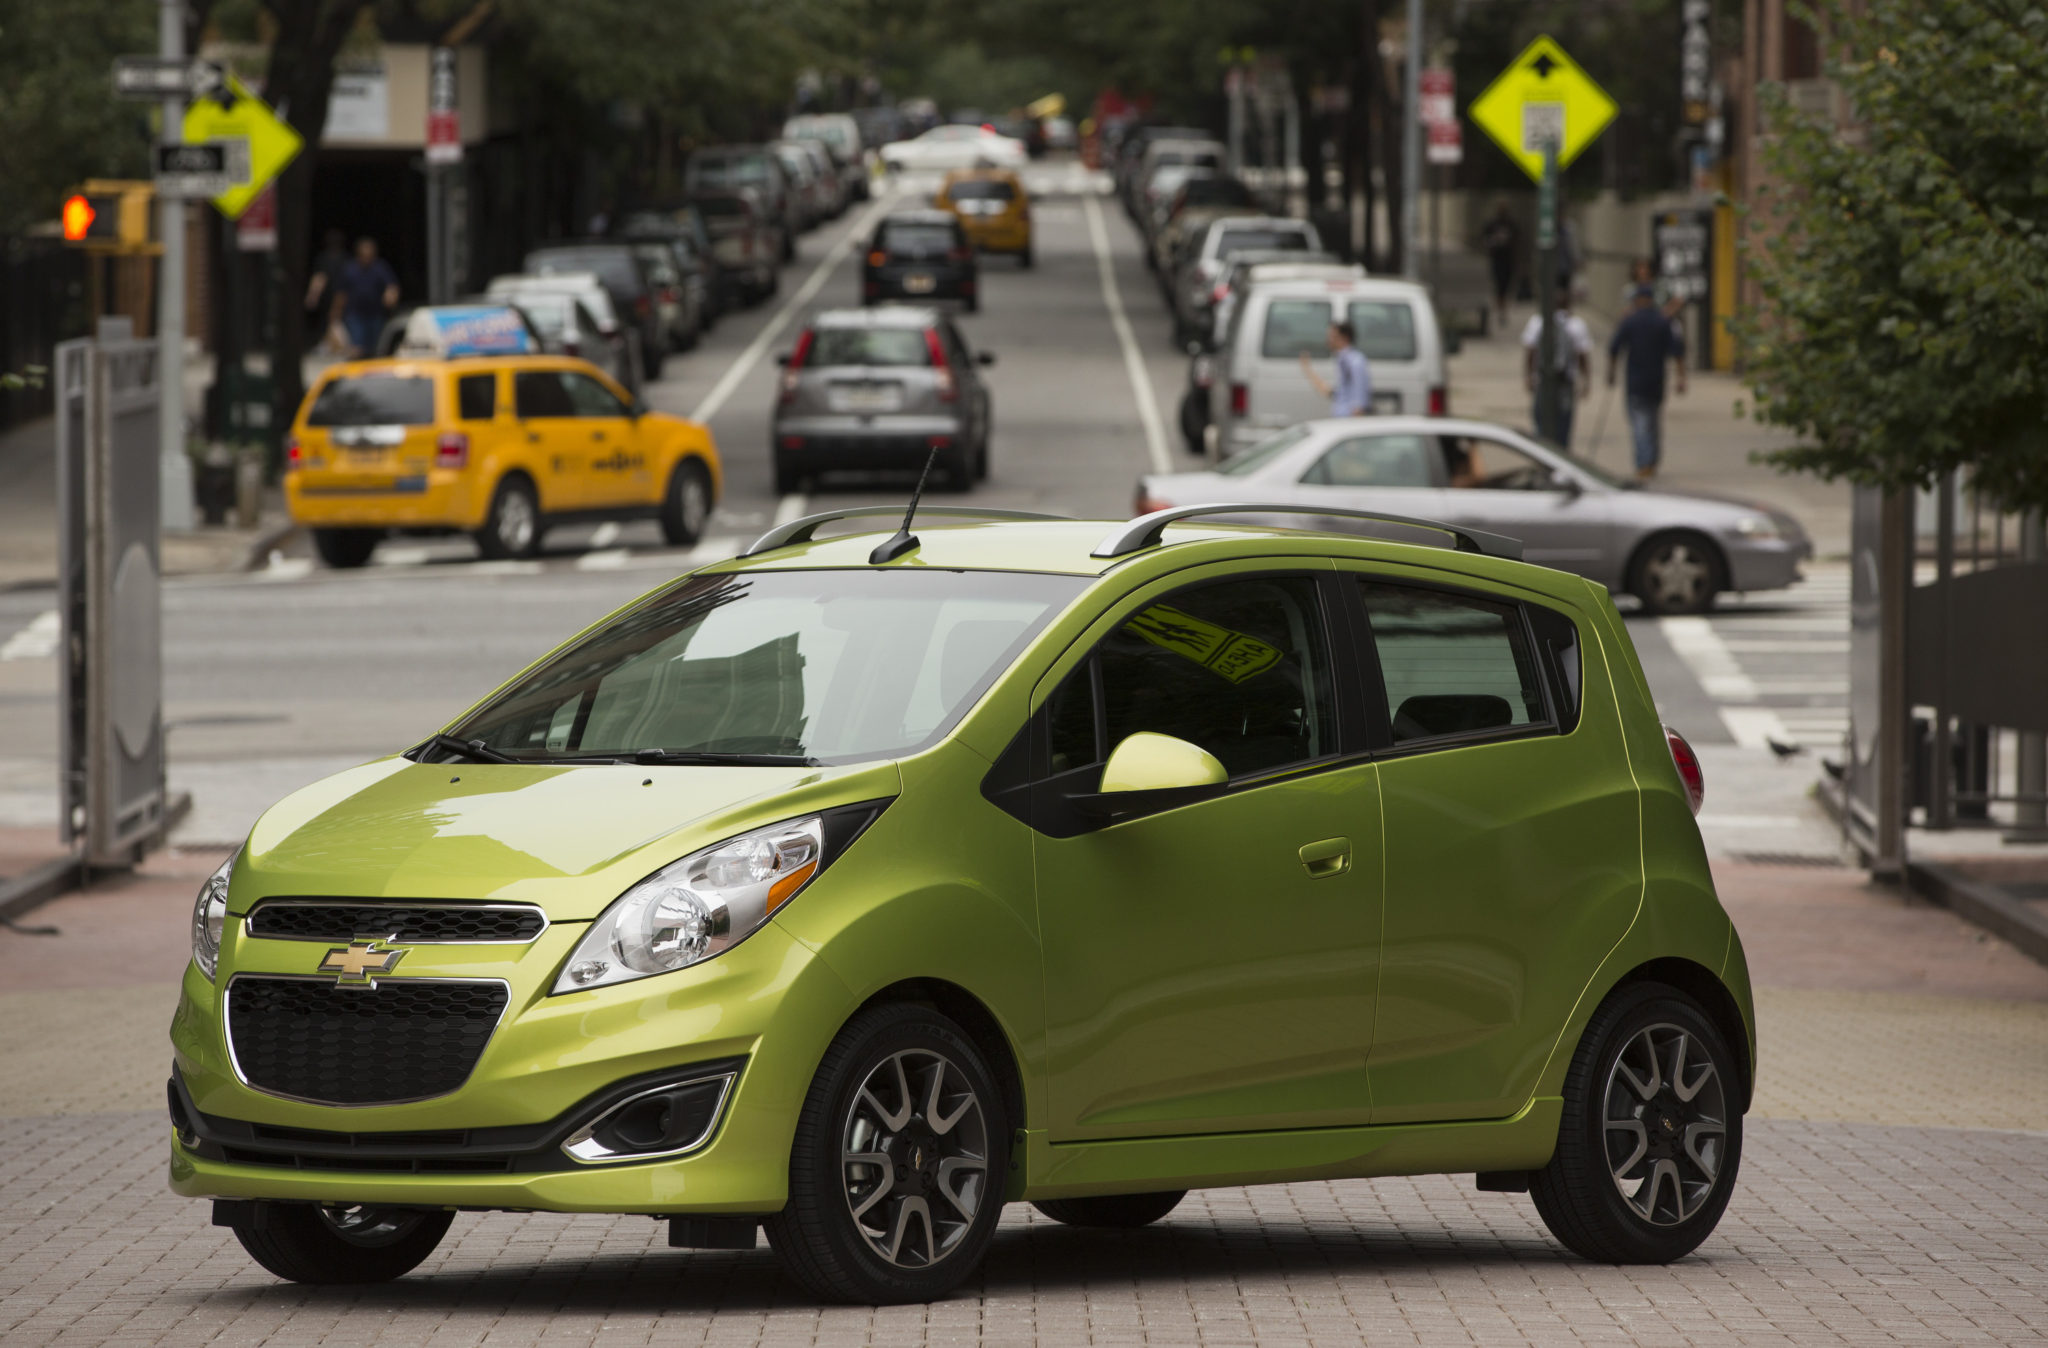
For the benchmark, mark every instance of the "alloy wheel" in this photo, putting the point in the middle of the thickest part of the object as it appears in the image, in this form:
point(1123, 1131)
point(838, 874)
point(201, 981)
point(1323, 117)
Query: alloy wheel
point(1678, 576)
point(516, 522)
point(914, 1158)
point(1666, 1124)
point(695, 504)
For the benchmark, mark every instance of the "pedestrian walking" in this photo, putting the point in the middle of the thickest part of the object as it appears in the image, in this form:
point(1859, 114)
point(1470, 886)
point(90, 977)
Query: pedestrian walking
point(1648, 338)
point(1574, 357)
point(323, 291)
point(369, 292)
point(1502, 239)
point(1351, 395)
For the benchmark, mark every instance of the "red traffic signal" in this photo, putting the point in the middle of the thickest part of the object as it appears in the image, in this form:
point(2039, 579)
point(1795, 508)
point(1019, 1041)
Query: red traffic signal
point(78, 217)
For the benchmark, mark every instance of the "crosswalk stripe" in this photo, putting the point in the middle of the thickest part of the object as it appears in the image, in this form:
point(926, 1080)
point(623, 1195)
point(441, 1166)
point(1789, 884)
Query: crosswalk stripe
point(37, 641)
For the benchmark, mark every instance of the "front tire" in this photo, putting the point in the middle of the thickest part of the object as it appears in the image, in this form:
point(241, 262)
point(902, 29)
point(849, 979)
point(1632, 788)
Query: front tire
point(342, 1243)
point(896, 1176)
point(1121, 1212)
point(686, 505)
point(346, 549)
point(1677, 573)
point(1194, 420)
point(513, 527)
point(1651, 1137)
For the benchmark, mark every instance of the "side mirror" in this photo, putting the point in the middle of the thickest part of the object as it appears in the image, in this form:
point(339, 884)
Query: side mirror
point(985, 358)
point(1148, 773)
point(1566, 483)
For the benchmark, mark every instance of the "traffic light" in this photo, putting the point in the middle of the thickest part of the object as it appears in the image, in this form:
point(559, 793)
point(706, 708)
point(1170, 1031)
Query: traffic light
point(108, 216)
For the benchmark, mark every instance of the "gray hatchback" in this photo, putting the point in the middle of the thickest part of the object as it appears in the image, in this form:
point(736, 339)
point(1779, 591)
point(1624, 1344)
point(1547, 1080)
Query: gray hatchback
point(881, 389)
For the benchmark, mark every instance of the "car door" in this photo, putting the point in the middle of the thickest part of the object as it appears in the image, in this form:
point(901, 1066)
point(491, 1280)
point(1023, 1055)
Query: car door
point(557, 442)
point(1396, 472)
point(617, 471)
point(1513, 859)
point(1210, 968)
point(1502, 488)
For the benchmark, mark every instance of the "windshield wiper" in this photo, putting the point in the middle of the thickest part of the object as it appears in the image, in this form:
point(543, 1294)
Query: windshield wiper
point(474, 750)
point(701, 757)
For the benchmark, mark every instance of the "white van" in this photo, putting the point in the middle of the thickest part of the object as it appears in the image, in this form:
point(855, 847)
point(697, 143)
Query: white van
point(1259, 387)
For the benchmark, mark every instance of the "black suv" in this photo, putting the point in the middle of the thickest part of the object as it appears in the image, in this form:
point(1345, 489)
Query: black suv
point(921, 255)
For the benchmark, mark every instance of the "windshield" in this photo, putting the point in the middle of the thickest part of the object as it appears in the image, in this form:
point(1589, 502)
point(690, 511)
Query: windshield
point(837, 666)
point(721, 172)
point(1240, 465)
point(1264, 240)
point(981, 189)
point(374, 400)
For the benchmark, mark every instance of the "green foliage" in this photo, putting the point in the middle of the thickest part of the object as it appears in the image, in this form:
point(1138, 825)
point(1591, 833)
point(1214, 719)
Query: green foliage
point(59, 121)
point(1904, 267)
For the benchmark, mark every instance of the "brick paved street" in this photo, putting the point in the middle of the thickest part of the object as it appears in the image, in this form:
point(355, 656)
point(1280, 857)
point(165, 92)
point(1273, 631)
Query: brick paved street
point(1894, 1189)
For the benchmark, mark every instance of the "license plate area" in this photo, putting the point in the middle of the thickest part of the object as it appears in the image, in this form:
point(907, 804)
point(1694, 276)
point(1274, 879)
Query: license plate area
point(919, 283)
point(1386, 404)
point(866, 397)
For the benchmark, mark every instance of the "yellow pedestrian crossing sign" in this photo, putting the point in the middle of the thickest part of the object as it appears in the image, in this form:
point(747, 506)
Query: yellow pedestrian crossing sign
point(1542, 97)
point(259, 143)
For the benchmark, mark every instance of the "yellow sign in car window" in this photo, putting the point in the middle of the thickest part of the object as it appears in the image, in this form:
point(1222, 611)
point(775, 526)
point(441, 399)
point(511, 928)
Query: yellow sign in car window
point(1227, 654)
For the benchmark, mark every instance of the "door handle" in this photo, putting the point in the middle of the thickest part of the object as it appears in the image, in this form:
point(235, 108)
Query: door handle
point(597, 435)
point(533, 437)
point(1331, 856)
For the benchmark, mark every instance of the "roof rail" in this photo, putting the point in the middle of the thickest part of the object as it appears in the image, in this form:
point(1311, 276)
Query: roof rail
point(1144, 531)
point(800, 531)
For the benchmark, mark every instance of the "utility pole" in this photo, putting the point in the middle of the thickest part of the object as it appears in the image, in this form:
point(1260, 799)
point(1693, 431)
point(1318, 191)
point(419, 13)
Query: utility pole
point(1411, 143)
point(1546, 294)
point(174, 469)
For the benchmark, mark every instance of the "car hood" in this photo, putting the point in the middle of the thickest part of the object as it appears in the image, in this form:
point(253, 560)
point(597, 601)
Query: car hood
point(569, 838)
point(1787, 524)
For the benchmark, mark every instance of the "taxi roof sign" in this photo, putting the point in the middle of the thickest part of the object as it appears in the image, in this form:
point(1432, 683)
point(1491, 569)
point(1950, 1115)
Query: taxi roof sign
point(1542, 95)
point(467, 330)
point(259, 142)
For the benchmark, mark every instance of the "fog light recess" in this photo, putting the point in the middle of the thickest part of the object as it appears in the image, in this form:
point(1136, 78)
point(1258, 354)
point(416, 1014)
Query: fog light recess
point(660, 1121)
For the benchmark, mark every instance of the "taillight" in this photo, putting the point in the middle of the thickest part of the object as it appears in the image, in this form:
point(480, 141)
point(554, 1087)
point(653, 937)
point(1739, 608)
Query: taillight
point(796, 362)
point(1688, 764)
point(1145, 503)
point(959, 254)
point(1439, 401)
point(877, 258)
point(671, 295)
point(452, 450)
point(942, 372)
point(1240, 399)
point(1218, 291)
point(572, 348)
point(641, 306)
point(294, 454)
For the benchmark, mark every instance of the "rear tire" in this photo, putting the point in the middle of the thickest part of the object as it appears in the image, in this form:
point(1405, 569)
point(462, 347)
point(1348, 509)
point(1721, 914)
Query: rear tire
point(340, 1244)
point(1651, 1137)
point(686, 505)
point(1676, 573)
point(1194, 420)
point(905, 1086)
point(1120, 1212)
point(346, 549)
point(513, 527)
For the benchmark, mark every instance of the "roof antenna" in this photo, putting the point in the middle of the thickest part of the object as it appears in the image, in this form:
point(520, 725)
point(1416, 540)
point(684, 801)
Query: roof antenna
point(903, 540)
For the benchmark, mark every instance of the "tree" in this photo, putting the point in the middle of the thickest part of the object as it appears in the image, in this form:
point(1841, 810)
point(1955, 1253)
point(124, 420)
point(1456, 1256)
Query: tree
point(1903, 262)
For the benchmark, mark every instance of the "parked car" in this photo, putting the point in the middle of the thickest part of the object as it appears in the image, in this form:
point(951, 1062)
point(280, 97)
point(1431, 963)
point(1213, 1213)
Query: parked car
point(623, 271)
point(1130, 157)
point(1674, 551)
point(817, 191)
point(1199, 200)
point(847, 140)
point(684, 228)
point(1209, 156)
point(954, 146)
point(1248, 270)
point(1259, 386)
point(499, 447)
point(679, 292)
point(855, 887)
point(1201, 262)
point(993, 207)
point(726, 168)
point(615, 348)
point(746, 242)
point(921, 255)
point(568, 327)
point(869, 389)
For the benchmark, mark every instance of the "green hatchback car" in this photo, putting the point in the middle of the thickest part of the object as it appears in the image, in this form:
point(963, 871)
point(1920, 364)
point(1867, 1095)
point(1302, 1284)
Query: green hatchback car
point(853, 891)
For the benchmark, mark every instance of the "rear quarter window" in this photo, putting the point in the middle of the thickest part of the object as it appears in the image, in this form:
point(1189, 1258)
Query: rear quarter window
point(1452, 664)
point(374, 400)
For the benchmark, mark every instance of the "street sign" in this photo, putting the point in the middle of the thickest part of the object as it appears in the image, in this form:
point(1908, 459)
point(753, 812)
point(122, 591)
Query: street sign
point(1542, 98)
point(193, 170)
point(256, 227)
point(1446, 143)
point(154, 78)
point(1444, 137)
point(444, 122)
point(266, 142)
point(1695, 62)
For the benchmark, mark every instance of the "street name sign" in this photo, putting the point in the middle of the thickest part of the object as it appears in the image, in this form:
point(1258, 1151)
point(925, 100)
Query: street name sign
point(1542, 98)
point(193, 170)
point(159, 77)
point(258, 142)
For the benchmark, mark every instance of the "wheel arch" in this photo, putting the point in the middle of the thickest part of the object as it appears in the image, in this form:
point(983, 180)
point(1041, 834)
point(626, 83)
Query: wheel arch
point(1705, 987)
point(972, 1015)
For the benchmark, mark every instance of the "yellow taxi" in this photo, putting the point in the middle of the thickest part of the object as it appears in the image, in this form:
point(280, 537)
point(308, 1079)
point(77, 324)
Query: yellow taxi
point(992, 207)
point(502, 447)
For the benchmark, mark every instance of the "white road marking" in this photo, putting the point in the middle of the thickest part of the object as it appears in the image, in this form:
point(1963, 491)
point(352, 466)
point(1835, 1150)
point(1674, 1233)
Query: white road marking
point(283, 568)
point(791, 507)
point(37, 641)
point(390, 556)
point(1134, 361)
point(772, 331)
point(605, 559)
point(1700, 646)
point(605, 534)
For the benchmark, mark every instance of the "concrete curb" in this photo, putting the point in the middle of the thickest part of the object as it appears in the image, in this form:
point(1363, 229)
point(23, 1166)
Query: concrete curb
point(60, 875)
point(1984, 904)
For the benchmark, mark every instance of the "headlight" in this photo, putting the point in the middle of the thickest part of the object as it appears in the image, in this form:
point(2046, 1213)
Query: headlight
point(710, 901)
point(210, 917)
point(1760, 527)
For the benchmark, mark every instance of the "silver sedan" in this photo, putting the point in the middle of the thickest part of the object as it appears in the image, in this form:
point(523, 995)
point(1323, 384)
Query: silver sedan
point(1673, 549)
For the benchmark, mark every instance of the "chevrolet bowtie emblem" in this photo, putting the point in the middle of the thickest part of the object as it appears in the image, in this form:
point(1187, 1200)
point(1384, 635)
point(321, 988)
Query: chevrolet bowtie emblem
point(355, 964)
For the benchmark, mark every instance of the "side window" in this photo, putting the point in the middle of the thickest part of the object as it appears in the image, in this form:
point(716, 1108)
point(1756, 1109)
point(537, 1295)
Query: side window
point(1240, 668)
point(1558, 635)
point(539, 393)
point(1294, 327)
point(1452, 664)
point(476, 397)
point(590, 398)
point(1386, 330)
point(1373, 461)
point(1489, 464)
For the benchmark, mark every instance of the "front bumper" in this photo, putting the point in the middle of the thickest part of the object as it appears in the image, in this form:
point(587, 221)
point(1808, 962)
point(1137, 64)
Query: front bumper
point(1764, 564)
point(767, 1006)
point(829, 448)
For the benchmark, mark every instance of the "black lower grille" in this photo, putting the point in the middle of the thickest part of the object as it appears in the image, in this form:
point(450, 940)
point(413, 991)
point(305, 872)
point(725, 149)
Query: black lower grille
point(298, 920)
point(404, 1039)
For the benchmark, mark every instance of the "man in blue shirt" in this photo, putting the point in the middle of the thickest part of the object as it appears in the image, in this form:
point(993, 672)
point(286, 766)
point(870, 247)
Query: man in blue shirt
point(369, 290)
point(1650, 337)
point(1352, 395)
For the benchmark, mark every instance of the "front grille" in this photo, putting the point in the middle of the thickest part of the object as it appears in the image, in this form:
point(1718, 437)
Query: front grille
point(404, 1039)
point(453, 924)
